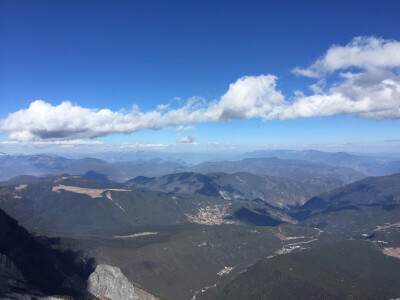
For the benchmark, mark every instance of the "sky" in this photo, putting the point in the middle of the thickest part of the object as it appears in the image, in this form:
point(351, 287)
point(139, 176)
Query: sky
point(199, 75)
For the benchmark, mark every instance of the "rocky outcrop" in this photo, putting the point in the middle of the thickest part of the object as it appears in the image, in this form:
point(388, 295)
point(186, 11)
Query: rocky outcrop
point(108, 282)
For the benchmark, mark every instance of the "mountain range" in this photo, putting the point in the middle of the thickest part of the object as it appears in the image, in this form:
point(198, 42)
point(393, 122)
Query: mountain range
point(276, 191)
point(65, 204)
point(370, 165)
point(50, 165)
point(308, 231)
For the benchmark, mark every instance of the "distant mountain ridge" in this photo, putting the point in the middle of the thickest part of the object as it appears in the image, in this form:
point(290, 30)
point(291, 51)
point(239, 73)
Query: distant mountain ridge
point(21, 179)
point(276, 191)
point(51, 165)
point(277, 167)
point(371, 165)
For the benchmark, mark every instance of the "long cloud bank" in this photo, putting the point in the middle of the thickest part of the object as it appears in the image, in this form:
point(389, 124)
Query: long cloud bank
point(367, 84)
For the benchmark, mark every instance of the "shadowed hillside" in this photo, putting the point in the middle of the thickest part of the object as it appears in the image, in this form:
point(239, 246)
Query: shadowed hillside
point(51, 271)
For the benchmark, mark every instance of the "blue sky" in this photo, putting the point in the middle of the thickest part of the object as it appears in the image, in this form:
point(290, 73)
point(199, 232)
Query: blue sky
point(116, 54)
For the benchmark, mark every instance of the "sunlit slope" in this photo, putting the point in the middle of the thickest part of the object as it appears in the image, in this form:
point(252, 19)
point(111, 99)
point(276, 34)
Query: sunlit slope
point(276, 191)
point(73, 205)
point(340, 270)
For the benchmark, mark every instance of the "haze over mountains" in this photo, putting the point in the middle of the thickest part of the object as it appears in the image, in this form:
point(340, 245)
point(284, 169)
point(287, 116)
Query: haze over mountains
point(282, 163)
point(371, 165)
point(50, 165)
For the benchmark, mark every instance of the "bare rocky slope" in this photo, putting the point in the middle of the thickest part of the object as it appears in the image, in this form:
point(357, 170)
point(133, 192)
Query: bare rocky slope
point(108, 282)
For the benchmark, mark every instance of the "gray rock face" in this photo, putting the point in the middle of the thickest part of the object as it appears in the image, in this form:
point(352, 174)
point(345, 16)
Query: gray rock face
point(108, 282)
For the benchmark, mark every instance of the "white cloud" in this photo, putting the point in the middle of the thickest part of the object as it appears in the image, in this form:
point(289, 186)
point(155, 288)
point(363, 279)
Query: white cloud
point(366, 53)
point(143, 145)
point(186, 128)
point(162, 106)
point(248, 97)
point(52, 144)
point(69, 142)
point(185, 139)
point(367, 95)
point(56, 143)
point(372, 92)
